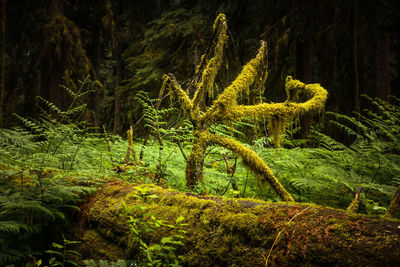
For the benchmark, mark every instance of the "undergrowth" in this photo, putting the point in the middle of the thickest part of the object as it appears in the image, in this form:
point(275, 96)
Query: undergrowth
point(328, 173)
point(46, 167)
point(48, 164)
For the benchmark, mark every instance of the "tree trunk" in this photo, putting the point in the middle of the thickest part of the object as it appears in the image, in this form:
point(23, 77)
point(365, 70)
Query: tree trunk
point(355, 59)
point(335, 85)
point(381, 55)
point(94, 101)
point(195, 162)
point(223, 232)
point(117, 93)
point(2, 55)
point(52, 67)
point(304, 55)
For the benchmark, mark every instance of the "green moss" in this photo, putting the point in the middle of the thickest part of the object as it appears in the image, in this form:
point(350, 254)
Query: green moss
point(225, 109)
point(95, 246)
point(238, 232)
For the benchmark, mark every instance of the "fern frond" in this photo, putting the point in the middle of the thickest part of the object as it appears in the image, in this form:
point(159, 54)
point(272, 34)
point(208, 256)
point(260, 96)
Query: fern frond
point(9, 256)
point(51, 106)
point(15, 227)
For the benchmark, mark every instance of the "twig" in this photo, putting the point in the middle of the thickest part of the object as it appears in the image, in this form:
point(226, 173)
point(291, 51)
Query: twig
point(130, 145)
point(230, 170)
point(279, 233)
point(181, 149)
point(245, 184)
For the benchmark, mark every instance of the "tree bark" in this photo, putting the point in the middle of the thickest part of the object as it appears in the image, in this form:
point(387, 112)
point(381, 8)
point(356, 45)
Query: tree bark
point(94, 101)
point(195, 162)
point(381, 55)
point(2, 55)
point(239, 232)
point(52, 68)
point(117, 93)
point(355, 58)
point(304, 56)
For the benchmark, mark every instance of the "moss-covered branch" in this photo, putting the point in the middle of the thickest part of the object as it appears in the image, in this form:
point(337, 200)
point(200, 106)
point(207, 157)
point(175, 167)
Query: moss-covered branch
point(288, 109)
point(227, 100)
point(241, 232)
point(177, 92)
point(253, 162)
point(225, 108)
point(211, 70)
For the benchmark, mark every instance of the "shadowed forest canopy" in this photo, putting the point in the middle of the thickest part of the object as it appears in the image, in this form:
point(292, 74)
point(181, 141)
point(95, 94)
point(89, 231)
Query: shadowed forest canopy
point(199, 133)
point(350, 47)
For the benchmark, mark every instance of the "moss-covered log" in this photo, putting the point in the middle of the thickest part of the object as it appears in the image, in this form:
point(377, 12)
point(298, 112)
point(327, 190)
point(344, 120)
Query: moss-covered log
point(241, 232)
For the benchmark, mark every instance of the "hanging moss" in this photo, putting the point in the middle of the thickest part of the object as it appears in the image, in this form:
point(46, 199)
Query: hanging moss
point(209, 73)
point(65, 38)
point(109, 23)
point(226, 109)
point(240, 232)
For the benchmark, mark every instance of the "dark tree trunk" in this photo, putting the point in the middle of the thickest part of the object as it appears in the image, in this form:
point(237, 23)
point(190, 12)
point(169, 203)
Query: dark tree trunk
point(335, 84)
point(2, 55)
point(381, 56)
point(94, 101)
point(52, 67)
point(304, 55)
point(355, 59)
point(117, 93)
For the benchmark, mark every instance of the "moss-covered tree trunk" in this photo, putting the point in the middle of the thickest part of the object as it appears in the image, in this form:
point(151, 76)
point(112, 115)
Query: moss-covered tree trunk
point(52, 63)
point(195, 162)
point(64, 59)
point(226, 109)
point(239, 232)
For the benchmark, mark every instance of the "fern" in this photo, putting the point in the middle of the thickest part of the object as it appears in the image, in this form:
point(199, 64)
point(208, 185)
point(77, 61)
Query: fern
point(369, 161)
point(45, 168)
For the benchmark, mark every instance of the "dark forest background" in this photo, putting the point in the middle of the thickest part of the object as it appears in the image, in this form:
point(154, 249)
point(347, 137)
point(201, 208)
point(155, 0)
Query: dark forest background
point(350, 47)
point(75, 75)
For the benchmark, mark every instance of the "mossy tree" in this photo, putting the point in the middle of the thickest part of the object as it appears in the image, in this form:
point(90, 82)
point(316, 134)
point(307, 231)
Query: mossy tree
point(226, 109)
point(64, 59)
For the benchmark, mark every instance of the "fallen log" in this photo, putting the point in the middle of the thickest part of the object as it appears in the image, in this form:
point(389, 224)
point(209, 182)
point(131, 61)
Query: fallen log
point(240, 232)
